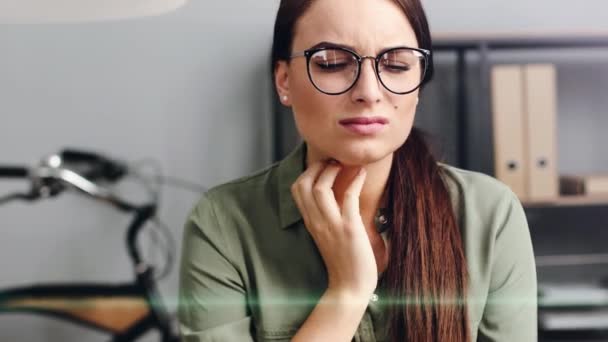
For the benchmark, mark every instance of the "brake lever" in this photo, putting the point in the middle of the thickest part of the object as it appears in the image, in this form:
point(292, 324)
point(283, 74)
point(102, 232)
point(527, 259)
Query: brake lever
point(75, 180)
point(70, 177)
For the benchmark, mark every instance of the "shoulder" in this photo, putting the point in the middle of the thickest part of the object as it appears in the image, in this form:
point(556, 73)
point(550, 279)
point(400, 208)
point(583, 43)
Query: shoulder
point(238, 211)
point(240, 192)
point(490, 215)
point(227, 212)
point(475, 193)
point(496, 240)
point(474, 184)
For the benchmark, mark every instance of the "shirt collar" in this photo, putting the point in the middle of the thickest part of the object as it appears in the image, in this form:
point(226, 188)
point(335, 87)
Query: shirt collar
point(289, 169)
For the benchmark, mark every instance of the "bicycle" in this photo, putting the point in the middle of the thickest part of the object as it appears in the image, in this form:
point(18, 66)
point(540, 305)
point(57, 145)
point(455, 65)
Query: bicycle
point(126, 310)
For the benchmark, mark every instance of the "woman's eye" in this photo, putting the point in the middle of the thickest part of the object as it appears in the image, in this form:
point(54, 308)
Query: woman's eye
point(332, 66)
point(397, 67)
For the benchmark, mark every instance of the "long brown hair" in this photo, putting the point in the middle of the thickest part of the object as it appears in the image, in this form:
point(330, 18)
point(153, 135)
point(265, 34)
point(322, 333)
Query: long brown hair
point(426, 277)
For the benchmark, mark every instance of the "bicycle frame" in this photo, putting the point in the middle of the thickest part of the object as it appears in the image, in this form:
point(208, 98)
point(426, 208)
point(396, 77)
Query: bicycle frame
point(125, 311)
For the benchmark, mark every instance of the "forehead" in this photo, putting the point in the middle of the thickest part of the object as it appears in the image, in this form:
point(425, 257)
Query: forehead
point(367, 25)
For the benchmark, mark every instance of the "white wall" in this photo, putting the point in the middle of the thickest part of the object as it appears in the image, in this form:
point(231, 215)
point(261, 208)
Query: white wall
point(190, 89)
point(516, 15)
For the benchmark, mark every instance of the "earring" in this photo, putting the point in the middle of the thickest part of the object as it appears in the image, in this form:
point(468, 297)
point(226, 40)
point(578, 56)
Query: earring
point(284, 97)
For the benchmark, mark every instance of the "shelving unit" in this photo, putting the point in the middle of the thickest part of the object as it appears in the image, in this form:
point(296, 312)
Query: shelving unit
point(483, 44)
point(563, 201)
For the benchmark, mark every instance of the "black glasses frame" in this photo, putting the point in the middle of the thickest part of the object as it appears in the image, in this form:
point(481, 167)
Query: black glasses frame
point(309, 52)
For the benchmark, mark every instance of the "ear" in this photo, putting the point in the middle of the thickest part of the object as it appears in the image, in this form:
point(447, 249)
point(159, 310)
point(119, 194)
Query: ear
point(281, 81)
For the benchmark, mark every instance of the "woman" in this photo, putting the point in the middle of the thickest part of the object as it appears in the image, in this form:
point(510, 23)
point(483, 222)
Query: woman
point(359, 232)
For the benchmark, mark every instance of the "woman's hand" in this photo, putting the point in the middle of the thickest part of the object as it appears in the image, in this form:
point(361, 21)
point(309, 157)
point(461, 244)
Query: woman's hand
point(339, 233)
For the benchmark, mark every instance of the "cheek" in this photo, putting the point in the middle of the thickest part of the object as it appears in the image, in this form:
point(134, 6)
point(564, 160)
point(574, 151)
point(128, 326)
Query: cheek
point(405, 107)
point(303, 96)
point(404, 113)
point(313, 113)
point(299, 84)
point(312, 109)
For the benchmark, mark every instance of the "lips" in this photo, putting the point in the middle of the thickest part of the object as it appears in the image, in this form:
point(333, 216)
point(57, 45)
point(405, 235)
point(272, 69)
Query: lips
point(364, 120)
point(365, 126)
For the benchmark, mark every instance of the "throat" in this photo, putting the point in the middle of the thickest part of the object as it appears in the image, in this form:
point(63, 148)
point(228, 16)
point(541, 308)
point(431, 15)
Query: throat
point(379, 247)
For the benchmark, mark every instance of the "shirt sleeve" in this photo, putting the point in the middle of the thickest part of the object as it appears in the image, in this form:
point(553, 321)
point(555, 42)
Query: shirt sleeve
point(510, 313)
point(212, 298)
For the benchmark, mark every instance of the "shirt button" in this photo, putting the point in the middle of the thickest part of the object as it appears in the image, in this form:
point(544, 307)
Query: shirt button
point(382, 219)
point(374, 298)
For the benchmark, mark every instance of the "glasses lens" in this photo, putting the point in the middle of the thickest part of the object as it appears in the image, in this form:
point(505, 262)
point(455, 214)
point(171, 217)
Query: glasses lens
point(333, 70)
point(401, 70)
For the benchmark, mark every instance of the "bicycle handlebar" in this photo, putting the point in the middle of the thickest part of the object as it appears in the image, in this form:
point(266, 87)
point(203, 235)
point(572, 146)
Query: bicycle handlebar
point(73, 168)
point(71, 155)
point(65, 170)
point(13, 172)
point(97, 167)
point(101, 167)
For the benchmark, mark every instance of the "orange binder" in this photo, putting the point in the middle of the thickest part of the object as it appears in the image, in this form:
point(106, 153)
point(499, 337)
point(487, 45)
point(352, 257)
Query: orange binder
point(540, 107)
point(508, 127)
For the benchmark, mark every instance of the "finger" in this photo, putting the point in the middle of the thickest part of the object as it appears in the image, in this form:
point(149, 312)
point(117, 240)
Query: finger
point(296, 190)
point(317, 219)
point(295, 193)
point(350, 208)
point(325, 197)
point(303, 186)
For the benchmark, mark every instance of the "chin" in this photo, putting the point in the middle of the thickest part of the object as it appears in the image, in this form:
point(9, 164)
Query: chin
point(362, 153)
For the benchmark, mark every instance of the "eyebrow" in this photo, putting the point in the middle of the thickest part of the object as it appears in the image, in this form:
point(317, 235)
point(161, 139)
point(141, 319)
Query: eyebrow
point(326, 44)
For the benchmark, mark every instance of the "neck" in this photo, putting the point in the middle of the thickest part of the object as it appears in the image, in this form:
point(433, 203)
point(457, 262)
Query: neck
point(373, 194)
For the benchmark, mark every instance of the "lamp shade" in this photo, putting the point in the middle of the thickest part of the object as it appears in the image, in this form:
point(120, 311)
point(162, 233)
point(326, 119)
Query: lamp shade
point(49, 11)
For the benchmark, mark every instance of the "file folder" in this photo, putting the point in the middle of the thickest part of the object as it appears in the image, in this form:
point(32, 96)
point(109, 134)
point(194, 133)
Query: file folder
point(540, 107)
point(508, 126)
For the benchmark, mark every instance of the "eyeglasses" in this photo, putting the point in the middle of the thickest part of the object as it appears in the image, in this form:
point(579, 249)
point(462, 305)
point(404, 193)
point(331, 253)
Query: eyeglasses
point(335, 70)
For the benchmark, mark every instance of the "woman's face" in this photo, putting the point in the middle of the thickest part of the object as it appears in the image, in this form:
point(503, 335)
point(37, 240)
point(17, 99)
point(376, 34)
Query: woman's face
point(368, 27)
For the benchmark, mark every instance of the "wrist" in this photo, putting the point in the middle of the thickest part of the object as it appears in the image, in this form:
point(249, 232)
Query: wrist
point(346, 297)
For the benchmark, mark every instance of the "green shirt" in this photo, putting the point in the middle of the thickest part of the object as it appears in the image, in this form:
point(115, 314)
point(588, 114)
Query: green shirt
point(250, 271)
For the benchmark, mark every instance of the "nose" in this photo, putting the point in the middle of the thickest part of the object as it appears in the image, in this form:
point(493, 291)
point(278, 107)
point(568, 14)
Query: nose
point(368, 87)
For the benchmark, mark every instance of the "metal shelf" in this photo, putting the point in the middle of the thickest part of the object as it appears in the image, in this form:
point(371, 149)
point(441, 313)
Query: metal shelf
point(562, 201)
point(483, 44)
